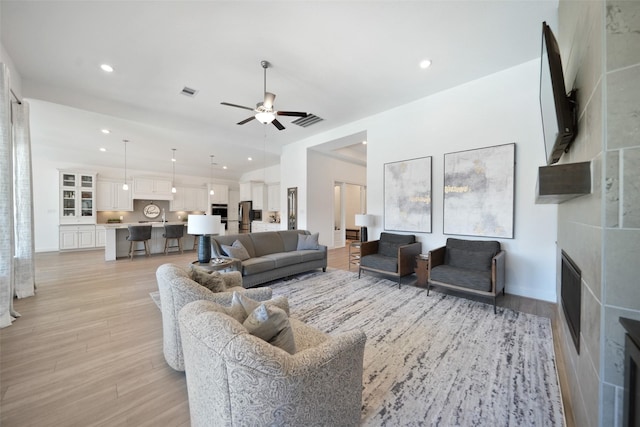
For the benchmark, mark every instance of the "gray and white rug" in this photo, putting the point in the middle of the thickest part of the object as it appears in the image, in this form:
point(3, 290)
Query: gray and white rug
point(436, 360)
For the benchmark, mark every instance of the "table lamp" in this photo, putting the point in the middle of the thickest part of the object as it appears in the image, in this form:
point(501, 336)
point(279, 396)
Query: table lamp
point(364, 221)
point(204, 226)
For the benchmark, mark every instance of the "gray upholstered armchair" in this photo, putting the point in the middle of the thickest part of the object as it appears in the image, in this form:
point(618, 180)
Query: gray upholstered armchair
point(176, 290)
point(235, 378)
point(472, 266)
point(393, 254)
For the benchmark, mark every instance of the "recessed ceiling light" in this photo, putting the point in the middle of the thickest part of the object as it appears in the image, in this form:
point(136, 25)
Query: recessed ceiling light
point(224, 167)
point(249, 158)
point(364, 142)
point(106, 131)
point(103, 149)
point(425, 63)
point(107, 68)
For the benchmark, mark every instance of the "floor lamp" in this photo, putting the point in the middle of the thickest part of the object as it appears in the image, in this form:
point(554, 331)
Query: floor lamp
point(364, 221)
point(204, 226)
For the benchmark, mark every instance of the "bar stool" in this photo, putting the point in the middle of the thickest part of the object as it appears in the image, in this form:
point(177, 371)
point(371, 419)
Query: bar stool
point(173, 232)
point(139, 233)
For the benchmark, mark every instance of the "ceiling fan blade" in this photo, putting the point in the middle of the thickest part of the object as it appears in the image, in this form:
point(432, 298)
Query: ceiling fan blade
point(277, 124)
point(237, 106)
point(292, 113)
point(268, 100)
point(247, 120)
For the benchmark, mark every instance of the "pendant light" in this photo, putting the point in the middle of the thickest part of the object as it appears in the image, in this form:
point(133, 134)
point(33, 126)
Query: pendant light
point(173, 163)
point(211, 192)
point(125, 186)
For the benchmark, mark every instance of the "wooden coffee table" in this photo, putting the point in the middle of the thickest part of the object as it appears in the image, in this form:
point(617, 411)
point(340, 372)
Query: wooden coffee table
point(217, 264)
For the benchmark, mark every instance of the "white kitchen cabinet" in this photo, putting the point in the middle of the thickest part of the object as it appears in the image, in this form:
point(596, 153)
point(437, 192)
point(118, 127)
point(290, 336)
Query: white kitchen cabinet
point(77, 237)
point(220, 194)
point(245, 191)
point(101, 236)
point(257, 196)
point(77, 197)
point(260, 226)
point(273, 197)
point(152, 189)
point(111, 197)
point(189, 199)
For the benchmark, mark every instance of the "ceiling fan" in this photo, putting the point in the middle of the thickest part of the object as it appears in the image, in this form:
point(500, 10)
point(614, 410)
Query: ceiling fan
point(265, 113)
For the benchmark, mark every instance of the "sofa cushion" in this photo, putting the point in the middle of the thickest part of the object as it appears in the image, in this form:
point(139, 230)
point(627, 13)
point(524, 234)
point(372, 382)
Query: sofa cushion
point(228, 240)
point(308, 241)
point(266, 243)
point(380, 262)
point(282, 259)
point(211, 281)
point(257, 265)
point(311, 255)
point(472, 279)
point(272, 325)
point(237, 250)
point(473, 260)
point(290, 238)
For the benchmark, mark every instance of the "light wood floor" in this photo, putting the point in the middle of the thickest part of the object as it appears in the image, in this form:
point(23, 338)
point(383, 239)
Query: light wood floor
point(88, 348)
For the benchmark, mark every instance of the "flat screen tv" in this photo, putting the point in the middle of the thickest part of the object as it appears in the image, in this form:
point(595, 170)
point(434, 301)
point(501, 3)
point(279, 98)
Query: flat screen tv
point(558, 109)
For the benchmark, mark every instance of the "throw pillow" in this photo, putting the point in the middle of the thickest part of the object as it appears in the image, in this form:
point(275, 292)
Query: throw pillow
point(271, 324)
point(248, 305)
point(308, 241)
point(211, 281)
point(232, 279)
point(237, 250)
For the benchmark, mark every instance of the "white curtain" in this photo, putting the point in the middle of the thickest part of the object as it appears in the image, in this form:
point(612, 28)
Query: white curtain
point(24, 267)
point(17, 270)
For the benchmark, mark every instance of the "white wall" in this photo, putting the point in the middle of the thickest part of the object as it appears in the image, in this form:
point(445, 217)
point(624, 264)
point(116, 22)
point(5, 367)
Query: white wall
point(498, 109)
point(323, 171)
point(16, 79)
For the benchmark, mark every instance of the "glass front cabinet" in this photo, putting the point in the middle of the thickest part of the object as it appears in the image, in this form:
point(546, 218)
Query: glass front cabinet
point(77, 198)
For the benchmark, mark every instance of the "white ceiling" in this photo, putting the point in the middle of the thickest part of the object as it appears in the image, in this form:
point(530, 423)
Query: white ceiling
point(340, 60)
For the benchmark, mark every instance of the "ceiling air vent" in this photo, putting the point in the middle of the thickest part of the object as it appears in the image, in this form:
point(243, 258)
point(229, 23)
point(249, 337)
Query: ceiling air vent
point(187, 91)
point(311, 119)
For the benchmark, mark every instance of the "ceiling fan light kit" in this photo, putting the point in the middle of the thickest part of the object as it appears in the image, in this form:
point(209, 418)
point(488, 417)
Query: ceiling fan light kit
point(264, 111)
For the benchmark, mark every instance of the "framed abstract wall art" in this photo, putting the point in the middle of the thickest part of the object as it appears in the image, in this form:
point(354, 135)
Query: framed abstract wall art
point(407, 195)
point(479, 192)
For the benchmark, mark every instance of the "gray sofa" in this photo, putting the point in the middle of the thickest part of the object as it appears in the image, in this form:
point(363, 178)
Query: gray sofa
point(471, 266)
point(272, 255)
point(235, 378)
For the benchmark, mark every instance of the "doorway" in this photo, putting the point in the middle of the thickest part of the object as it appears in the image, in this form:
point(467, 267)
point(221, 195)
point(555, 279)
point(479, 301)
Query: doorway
point(348, 200)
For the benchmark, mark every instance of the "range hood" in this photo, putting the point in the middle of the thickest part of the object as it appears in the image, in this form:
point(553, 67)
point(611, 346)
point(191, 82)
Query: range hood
point(562, 182)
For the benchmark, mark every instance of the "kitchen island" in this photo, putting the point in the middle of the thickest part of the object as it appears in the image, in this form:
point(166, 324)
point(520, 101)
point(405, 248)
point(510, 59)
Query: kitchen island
point(117, 245)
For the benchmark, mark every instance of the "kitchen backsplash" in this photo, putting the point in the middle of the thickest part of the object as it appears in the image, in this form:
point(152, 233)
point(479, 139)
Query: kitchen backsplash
point(137, 215)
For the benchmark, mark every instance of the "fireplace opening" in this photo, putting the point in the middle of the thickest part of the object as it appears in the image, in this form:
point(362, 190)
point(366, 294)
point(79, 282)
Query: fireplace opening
point(571, 295)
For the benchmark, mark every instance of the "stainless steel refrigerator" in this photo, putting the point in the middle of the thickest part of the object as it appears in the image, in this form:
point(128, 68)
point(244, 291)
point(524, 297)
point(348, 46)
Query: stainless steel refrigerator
point(245, 216)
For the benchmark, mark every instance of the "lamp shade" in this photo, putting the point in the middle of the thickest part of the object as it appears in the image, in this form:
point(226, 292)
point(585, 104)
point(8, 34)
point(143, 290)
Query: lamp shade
point(203, 224)
point(364, 220)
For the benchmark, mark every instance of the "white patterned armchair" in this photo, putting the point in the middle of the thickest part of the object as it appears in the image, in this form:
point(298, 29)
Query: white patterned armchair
point(235, 378)
point(176, 290)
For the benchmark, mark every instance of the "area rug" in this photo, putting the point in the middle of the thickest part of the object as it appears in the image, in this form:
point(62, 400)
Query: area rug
point(435, 360)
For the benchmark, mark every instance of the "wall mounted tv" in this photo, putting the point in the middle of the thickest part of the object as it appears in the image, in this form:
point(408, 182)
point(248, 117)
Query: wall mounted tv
point(558, 109)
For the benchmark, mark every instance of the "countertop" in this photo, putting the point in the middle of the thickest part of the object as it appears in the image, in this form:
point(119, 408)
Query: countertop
point(154, 224)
